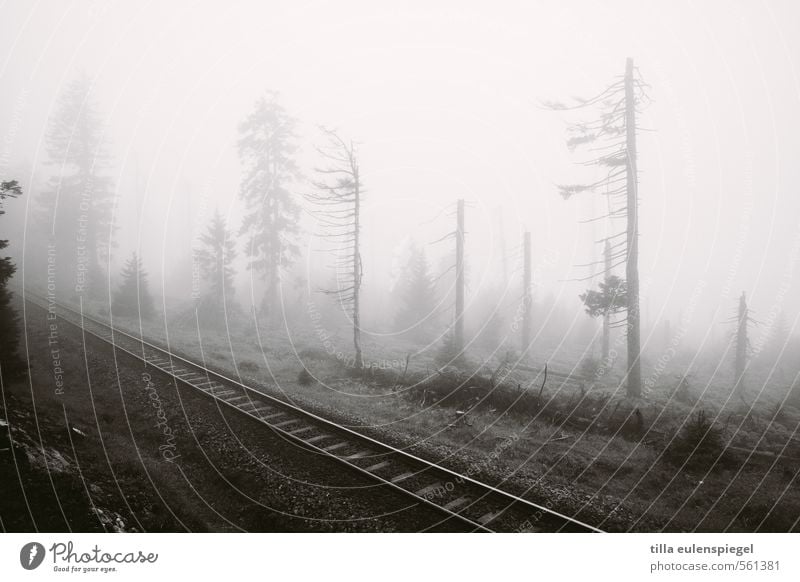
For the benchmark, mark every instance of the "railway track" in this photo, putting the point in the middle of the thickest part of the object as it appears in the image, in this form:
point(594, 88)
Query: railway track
point(475, 505)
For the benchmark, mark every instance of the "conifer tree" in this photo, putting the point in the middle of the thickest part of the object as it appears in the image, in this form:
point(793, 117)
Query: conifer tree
point(78, 201)
point(266, 149)
point(778, 337)
point(9, 337)
point(216, 256)
point(611, 297)
point(133, 297)
point(417, 297)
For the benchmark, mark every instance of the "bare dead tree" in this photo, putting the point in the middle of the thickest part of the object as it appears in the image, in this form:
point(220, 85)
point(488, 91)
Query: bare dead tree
point(453, 348)
point(541, 388)
point(632, 213)
point(527, 299)
point(612, 138)
point(604, 350)
point(742, 345)
point(458, 330)
point(338, 208)
point(501, 235)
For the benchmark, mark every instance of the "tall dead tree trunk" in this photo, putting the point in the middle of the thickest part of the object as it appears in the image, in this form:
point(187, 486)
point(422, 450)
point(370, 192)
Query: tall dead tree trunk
point(338, 202)
point(634, 388)
point(613, 137)
point(604, 348)
point(740, 360)
point(527, 300)
point(357, 267)
point(458, 329)
point(501, 231)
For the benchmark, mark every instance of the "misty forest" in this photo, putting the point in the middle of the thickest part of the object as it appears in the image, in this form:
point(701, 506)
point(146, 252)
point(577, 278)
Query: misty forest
point(552, 250)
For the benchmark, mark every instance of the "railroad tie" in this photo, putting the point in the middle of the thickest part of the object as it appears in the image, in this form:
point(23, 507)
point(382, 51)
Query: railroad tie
point(429, 489)
point(306, 428)
point(286, 422)
point(239, 397)
point(335, 447)
point(402, 477)
point(221, 395)
point(271, 416)
point(358, 455)
point(456, 503)
point(317, 438)
point(486, 518)
point(377, 466)
point(191, 379)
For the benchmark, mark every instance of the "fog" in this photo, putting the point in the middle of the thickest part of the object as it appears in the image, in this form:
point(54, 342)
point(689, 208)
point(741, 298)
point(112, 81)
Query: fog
point(444, 101)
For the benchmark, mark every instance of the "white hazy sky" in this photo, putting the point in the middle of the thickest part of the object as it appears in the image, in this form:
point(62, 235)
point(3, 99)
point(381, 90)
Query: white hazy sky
point(443, 98)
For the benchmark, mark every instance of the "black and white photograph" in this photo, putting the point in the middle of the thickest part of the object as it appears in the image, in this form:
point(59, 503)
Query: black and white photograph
point(279, 268)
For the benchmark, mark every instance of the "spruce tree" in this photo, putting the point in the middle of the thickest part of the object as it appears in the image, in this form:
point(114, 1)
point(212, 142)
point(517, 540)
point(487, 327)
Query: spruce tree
point(78, 201)
point(9, 337)
point(133, 297)
point(417, 298)
point(266, 149)
point(778, 338)
point(216, 256)
point(611, 297)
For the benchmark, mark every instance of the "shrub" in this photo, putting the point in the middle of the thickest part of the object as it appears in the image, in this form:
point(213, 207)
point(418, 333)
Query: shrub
point(682, 393)
point(699, 445)
point(304, 378)
point(462, 390)
point(589, 368)
point(449, 355)
point(312, 353)
point(248, 366)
